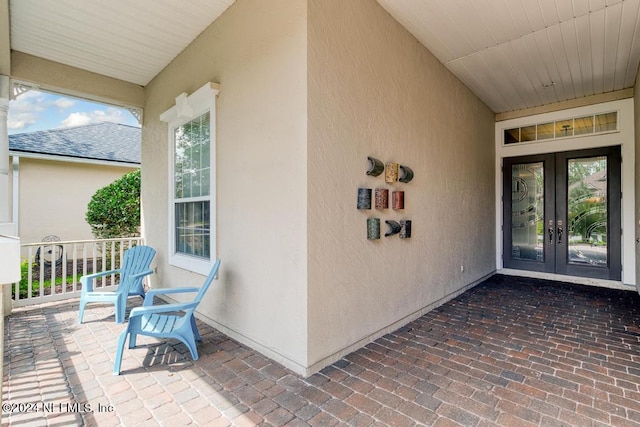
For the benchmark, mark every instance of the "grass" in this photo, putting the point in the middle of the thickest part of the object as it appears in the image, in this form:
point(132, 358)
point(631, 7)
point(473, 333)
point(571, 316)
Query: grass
point(35, 285)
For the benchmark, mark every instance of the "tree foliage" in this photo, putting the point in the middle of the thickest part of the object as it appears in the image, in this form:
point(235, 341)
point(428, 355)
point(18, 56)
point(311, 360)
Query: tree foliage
point(114, 210)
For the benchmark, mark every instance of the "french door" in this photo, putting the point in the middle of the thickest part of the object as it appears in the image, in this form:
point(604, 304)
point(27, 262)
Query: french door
point(562, 213)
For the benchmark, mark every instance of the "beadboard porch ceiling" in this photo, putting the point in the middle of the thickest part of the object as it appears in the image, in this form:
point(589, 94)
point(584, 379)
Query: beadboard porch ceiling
point(527, 53)
point(127, 40)
point(512, 54)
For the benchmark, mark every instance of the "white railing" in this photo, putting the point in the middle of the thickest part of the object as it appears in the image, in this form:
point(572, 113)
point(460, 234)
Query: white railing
point(51, 271)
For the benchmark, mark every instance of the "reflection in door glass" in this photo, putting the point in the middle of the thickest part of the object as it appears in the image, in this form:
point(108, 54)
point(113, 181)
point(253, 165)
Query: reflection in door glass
point(587, 211)
point(527, 210)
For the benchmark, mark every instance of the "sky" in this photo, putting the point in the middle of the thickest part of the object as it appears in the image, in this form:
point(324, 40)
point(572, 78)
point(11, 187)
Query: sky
point(33, 111)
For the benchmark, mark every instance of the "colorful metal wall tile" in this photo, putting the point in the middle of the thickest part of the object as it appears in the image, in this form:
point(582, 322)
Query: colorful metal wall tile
point(373, 228)
point(394, 172)
point(394, 228)
point(375, 167)
point(397, 200)
point(382, 198)
point(405, 229)
point(364, 198)
point(406, 174)
point(391, 172)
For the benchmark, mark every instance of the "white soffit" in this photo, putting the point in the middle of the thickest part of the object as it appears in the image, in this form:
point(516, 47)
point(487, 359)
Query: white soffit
point(131, 40)
point(516, 54)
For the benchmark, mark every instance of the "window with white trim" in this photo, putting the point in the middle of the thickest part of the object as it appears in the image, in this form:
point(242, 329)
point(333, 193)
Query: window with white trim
point(192, 234)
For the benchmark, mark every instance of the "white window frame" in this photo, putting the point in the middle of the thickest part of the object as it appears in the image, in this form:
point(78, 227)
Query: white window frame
point(188, 108)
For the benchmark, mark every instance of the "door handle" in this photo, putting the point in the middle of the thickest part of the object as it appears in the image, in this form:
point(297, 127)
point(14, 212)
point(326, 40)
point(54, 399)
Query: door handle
point(560, 231)
point(550, 231)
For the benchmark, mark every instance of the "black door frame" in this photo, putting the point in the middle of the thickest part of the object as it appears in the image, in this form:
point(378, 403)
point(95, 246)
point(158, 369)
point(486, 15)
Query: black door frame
point(555, 252)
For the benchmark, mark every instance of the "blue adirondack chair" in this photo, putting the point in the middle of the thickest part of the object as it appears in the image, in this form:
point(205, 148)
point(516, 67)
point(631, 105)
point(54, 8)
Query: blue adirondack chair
point(163, 321)
point(135, 266)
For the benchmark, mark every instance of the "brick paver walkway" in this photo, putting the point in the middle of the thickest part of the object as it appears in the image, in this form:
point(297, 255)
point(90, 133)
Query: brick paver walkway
point(510, 352)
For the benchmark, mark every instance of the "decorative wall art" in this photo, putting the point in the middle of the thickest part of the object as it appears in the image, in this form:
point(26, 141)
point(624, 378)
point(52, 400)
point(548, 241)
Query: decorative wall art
point(375, 167)
point(405, 229)
point(397, 200)
point(373, 228)
point(364, 198)
point(391, 172)
point(382, 198)
point(406, 174)
point(394, 173)
point(394, 228)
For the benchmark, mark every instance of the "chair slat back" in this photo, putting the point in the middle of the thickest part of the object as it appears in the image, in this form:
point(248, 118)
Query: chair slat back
point(206, 284)
point(136, 260)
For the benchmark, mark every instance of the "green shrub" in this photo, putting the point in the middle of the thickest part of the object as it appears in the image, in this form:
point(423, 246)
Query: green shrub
point(114, 210)
point(24, 281)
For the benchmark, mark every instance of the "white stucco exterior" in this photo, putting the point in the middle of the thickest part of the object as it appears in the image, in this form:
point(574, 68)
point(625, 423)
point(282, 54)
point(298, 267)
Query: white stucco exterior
point(52, 195)
point(374, 91)
point(307, 92)
point(257, 54)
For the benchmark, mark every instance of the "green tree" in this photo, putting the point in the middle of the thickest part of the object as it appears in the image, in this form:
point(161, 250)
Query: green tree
point(114, 210)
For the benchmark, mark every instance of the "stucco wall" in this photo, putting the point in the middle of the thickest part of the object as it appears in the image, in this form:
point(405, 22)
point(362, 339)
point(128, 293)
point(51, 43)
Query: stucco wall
point(636, 112)
point(61, 78)
point(256, 51)
point(54, 197)
point(375, 91)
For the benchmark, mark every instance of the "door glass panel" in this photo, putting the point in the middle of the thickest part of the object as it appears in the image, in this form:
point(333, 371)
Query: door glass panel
point(527, 211)
point(587, 211)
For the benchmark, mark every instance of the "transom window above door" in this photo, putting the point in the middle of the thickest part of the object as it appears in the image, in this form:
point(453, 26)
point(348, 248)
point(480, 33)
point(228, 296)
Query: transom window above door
point(565, 128)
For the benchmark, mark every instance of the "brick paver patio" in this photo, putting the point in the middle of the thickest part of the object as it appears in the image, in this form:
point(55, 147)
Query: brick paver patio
point(510, 352)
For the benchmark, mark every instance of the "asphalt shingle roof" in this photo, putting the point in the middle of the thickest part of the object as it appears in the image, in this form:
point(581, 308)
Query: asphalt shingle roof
point(101, 141)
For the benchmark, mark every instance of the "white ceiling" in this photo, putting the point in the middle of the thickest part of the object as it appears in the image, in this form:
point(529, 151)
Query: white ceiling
point(517, 54)
point(131, 40)
point(513, 54)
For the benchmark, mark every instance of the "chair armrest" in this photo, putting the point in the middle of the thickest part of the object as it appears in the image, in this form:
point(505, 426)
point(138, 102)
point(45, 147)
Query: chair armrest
point(142, 273)
point(101, 273)
point(87, 279)
point(148, 299)
point(164, 308)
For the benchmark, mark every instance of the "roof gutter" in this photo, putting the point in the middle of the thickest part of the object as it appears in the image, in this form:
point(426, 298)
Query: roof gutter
point(83, 160)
